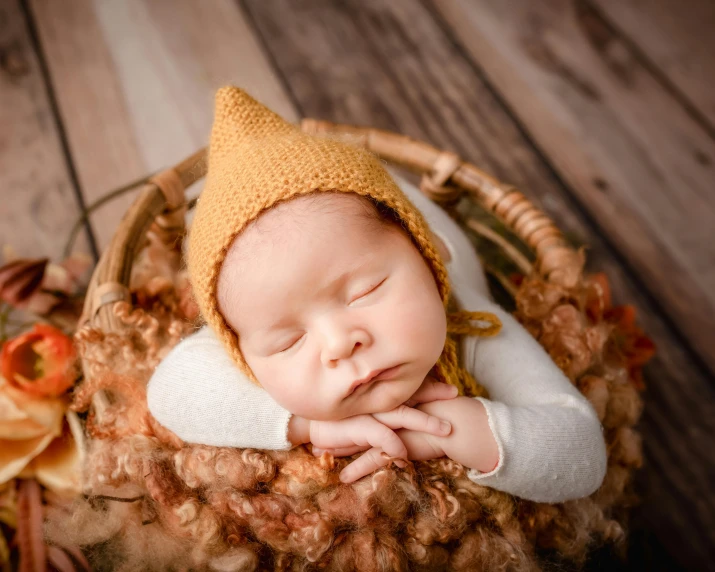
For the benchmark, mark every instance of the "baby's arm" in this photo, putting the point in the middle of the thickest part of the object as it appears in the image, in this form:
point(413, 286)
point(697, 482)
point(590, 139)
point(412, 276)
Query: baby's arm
point(537, 437)
point(198, 393)
point(550, 441)
point(470, 443)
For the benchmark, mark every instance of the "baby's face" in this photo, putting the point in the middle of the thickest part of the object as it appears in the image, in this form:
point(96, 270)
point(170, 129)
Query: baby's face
point(322, 297)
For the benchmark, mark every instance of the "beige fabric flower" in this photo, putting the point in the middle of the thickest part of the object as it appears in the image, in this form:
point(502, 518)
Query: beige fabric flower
point(36, 440)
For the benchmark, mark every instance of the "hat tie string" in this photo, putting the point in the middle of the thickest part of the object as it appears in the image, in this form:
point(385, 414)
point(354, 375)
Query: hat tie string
point(460, 323)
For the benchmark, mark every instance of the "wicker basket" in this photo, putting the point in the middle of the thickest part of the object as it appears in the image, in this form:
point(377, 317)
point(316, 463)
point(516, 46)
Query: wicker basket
point(444, 177)
point(161, 207)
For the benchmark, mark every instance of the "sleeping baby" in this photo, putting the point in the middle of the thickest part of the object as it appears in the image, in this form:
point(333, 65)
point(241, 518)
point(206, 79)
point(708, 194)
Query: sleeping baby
point(349, 312)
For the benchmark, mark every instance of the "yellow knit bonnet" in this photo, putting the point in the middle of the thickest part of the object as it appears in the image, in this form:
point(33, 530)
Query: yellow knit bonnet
point(257, 159)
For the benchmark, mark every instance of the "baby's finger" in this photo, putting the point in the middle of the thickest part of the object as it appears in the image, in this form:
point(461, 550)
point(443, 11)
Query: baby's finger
point(380, 435)
point(404, 417)
point(364, 465)
point(361, 430)
point(433, 390)
point(341, 451)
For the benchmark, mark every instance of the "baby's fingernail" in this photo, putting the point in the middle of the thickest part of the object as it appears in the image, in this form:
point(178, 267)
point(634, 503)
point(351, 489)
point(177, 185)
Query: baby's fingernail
point(445, 427)
point(317, 452)
point(400, 463)
point(344, 477)
point(453, 390)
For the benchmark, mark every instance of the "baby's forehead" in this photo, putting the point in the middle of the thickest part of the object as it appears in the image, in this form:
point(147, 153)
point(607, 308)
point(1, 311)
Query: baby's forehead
point(315, 212)
point(324, 205)
point(298, 240)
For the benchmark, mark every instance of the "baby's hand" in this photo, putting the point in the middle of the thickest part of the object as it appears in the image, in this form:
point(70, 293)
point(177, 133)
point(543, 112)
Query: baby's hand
point(430, 390)
point(402, 417)
point(365, 431)
point(470, 443)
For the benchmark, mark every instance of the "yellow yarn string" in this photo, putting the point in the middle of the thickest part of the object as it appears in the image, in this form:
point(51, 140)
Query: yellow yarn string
point(459, 323)
point(448, 368)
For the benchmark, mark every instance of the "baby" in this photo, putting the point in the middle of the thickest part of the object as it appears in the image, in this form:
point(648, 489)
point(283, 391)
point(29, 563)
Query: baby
point(326, 303)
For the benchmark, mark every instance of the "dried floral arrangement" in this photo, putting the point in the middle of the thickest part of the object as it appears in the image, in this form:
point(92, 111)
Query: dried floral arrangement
point(134, 496)
point(40, 437)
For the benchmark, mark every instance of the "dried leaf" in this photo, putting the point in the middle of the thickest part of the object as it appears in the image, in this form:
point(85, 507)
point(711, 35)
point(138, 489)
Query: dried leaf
point(4, 550)
point(20, 279)
point(78, 556)
point(8, 504)
point(59, 559)
point(30, 539)
point(58, 466)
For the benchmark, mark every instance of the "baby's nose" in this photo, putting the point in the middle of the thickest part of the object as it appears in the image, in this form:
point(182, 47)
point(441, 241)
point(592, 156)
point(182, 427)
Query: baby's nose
point(342, 345)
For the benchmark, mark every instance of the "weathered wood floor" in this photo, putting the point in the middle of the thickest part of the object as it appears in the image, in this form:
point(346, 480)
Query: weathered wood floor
point(601, 111)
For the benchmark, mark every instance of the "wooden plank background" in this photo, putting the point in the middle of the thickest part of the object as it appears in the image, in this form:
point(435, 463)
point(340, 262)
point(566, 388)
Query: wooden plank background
point(602, 112)
point(40, 200)
point(630, 153)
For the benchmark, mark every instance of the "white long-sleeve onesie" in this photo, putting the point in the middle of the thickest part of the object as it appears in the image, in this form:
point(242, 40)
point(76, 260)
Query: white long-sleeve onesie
point(551, 446)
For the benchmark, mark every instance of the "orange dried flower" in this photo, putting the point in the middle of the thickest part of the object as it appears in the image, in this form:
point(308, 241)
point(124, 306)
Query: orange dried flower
point(629, 344)
point(41, 362)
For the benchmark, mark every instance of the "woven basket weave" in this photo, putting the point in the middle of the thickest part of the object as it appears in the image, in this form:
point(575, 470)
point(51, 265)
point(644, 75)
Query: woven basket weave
point(444, 178)
point(162, 205)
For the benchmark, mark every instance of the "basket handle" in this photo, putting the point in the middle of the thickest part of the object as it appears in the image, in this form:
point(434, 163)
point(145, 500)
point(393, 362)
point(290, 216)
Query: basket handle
point(445, 175)
point(161, 202)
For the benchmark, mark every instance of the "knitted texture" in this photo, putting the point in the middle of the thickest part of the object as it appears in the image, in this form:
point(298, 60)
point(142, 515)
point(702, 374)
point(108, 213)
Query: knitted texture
point(256, 160)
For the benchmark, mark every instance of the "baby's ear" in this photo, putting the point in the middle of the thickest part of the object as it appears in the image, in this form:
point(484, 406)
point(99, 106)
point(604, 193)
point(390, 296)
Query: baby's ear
point(441, 247)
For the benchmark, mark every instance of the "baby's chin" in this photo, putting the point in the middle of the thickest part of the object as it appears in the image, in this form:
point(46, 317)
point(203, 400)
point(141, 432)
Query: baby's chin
point(386, 395)
point(383, 396)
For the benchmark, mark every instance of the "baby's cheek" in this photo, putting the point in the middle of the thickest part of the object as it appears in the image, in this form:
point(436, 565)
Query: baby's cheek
point(302, 404)
point(420, 324)
point(277, 383)
point(294, 389)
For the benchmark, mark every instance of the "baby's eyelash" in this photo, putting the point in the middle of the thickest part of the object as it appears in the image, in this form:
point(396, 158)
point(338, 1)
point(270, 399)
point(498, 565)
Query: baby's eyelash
point(365, 293)
point(370, 290)
point(285, 349)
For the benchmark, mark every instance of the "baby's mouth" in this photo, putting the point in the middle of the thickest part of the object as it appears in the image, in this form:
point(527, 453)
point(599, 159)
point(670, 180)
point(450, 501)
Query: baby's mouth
point(375, 375)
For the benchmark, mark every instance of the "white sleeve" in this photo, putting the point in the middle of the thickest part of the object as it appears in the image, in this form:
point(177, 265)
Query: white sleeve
point(200, 394)
point(551, 444)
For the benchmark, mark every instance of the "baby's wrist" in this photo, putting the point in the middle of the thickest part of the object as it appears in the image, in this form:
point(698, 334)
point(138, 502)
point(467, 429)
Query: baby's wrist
point(298, 430)
point(471, 442)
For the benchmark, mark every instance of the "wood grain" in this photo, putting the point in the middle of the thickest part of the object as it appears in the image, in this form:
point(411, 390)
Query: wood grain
point(91, 105)
point(635, 159)
point(39, 204)
point(135, 82)
point(677, 39)
point(390, 65)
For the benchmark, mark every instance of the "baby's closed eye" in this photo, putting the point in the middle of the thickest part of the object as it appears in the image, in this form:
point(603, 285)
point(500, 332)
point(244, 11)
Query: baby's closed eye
point(367, 291)
point(290, 344)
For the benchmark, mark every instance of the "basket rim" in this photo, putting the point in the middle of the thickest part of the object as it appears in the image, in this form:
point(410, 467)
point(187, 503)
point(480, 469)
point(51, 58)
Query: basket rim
point(161, 206)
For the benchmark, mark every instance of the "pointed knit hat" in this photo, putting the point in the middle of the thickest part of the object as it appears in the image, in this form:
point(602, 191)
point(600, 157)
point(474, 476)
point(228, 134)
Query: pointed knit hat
point(256, 159)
